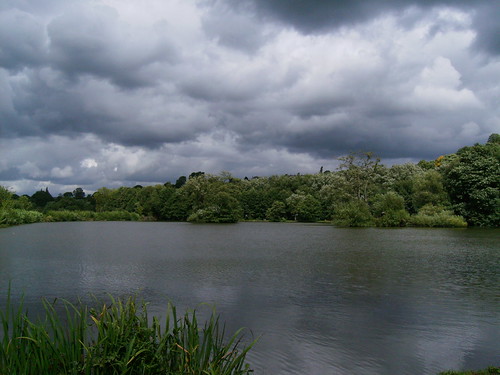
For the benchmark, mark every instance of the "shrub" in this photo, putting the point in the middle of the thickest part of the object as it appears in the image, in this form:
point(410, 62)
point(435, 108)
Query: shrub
point(67, 215)
point(121, 215)
point(487, 371)
point(277, 211)
point(14, 216)
point(437, 216)
point(393, 219)
point(355, 213)
point(389, 210)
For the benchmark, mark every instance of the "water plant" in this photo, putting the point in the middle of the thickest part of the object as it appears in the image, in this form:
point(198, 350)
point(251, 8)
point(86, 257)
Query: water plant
point(488, 371)
point(115, 337)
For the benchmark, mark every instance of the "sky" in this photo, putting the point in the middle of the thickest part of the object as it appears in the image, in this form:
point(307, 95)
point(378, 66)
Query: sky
point(109, 93)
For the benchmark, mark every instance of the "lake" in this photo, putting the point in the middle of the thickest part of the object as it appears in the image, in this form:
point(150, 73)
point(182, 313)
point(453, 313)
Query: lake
point(324, 300)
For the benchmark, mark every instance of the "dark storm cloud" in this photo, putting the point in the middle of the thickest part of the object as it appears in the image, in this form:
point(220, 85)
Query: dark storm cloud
point(487, 25)
point(317, 16)
point(236, 30)
point(322, 15)
point(22, 40)
point(115, 92)
point(92, 40)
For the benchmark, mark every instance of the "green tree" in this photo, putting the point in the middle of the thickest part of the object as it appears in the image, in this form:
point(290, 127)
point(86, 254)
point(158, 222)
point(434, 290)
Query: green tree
point(41, 198)
point(355, 213)
point(5, 198)
point(22, 203)
point(494, 138)
point(472, 180)
point(363, 173)
point(401, 179)
point(222, 208)
point(304, 207)
point(78, 193)
point(181, 181)
point(389, 210)
point(429, 189)
point(277, 211)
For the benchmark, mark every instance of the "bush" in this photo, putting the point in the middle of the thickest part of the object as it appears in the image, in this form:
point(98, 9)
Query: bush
point(393, 219)
point(14, 216)
point(487, 371)
point(355, 213)
point(389, 210)
point(437, 216)
point(117, 216)
point(67, 215)
point(277, 211)
point(116, 338)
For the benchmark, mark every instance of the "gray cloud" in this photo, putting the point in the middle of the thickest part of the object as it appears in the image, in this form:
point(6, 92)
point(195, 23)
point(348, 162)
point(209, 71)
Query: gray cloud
point(22, 40)
point(237, 30)
point(92, 40)
point(318, 16)
point(119, 94)
point(488, 28)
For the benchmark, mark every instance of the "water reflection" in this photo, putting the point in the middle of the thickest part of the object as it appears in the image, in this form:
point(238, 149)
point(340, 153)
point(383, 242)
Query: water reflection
point(325, 300)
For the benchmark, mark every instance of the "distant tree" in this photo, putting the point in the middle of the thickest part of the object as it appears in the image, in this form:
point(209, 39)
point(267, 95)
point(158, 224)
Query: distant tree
point(277, 211)
point(196, 174)
point(222, 208)
point(78, 193)
point(389, 210)
point(472, 180)
point(41, 198)
point(494, 138)
point(362, 171)
point(23, 203)
point(429, 189)
point(6, 200)
point(304, 207)
point(426, 165)
point(401, 179)
point(181, 181)
point(355, 213)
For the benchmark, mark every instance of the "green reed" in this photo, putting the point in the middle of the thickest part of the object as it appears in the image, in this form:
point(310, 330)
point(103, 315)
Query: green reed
point(116, 337)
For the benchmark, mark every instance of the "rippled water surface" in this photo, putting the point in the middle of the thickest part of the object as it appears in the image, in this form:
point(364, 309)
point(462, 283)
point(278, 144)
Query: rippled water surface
point(325, 300)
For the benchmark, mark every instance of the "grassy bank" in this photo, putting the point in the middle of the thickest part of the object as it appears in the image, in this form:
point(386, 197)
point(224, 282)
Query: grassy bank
point(11, 217)
point(116, 337)
point(488, 371)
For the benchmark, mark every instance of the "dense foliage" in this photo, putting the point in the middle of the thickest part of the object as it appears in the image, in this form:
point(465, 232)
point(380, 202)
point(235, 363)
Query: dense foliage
point(116, 337)
point(453, 191)
point(487, 371)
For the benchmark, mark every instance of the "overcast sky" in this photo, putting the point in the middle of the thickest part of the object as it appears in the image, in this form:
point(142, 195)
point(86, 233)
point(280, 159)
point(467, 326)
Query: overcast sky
point(122, 92)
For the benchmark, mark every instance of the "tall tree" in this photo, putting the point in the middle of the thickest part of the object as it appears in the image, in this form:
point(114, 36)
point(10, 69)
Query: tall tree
point(472, 180)
point(363, 172)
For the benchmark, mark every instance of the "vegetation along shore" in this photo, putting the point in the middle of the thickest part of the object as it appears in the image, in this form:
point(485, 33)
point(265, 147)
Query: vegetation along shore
point(115, 337)
point(456, 190)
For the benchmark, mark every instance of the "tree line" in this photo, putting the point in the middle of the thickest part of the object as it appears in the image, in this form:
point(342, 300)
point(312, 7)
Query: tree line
point(454, 190)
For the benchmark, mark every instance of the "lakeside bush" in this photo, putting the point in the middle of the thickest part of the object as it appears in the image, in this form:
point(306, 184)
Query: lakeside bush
point(14, 216)
point(68, 215)
point(488, 371)
point(353, 214)
point(437, 216)
point(117, 337)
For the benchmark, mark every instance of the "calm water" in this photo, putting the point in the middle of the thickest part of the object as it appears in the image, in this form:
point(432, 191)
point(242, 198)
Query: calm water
point(325, 300)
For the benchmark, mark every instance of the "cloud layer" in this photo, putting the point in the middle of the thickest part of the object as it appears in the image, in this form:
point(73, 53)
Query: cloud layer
point(111, 93)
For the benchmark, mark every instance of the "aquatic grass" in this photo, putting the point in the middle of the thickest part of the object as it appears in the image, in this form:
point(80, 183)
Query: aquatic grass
point(488, 371)
point(117, 337)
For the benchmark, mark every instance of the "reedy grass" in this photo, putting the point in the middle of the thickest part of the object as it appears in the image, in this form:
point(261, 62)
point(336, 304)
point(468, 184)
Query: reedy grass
point(116, 338)
point(492, 370)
